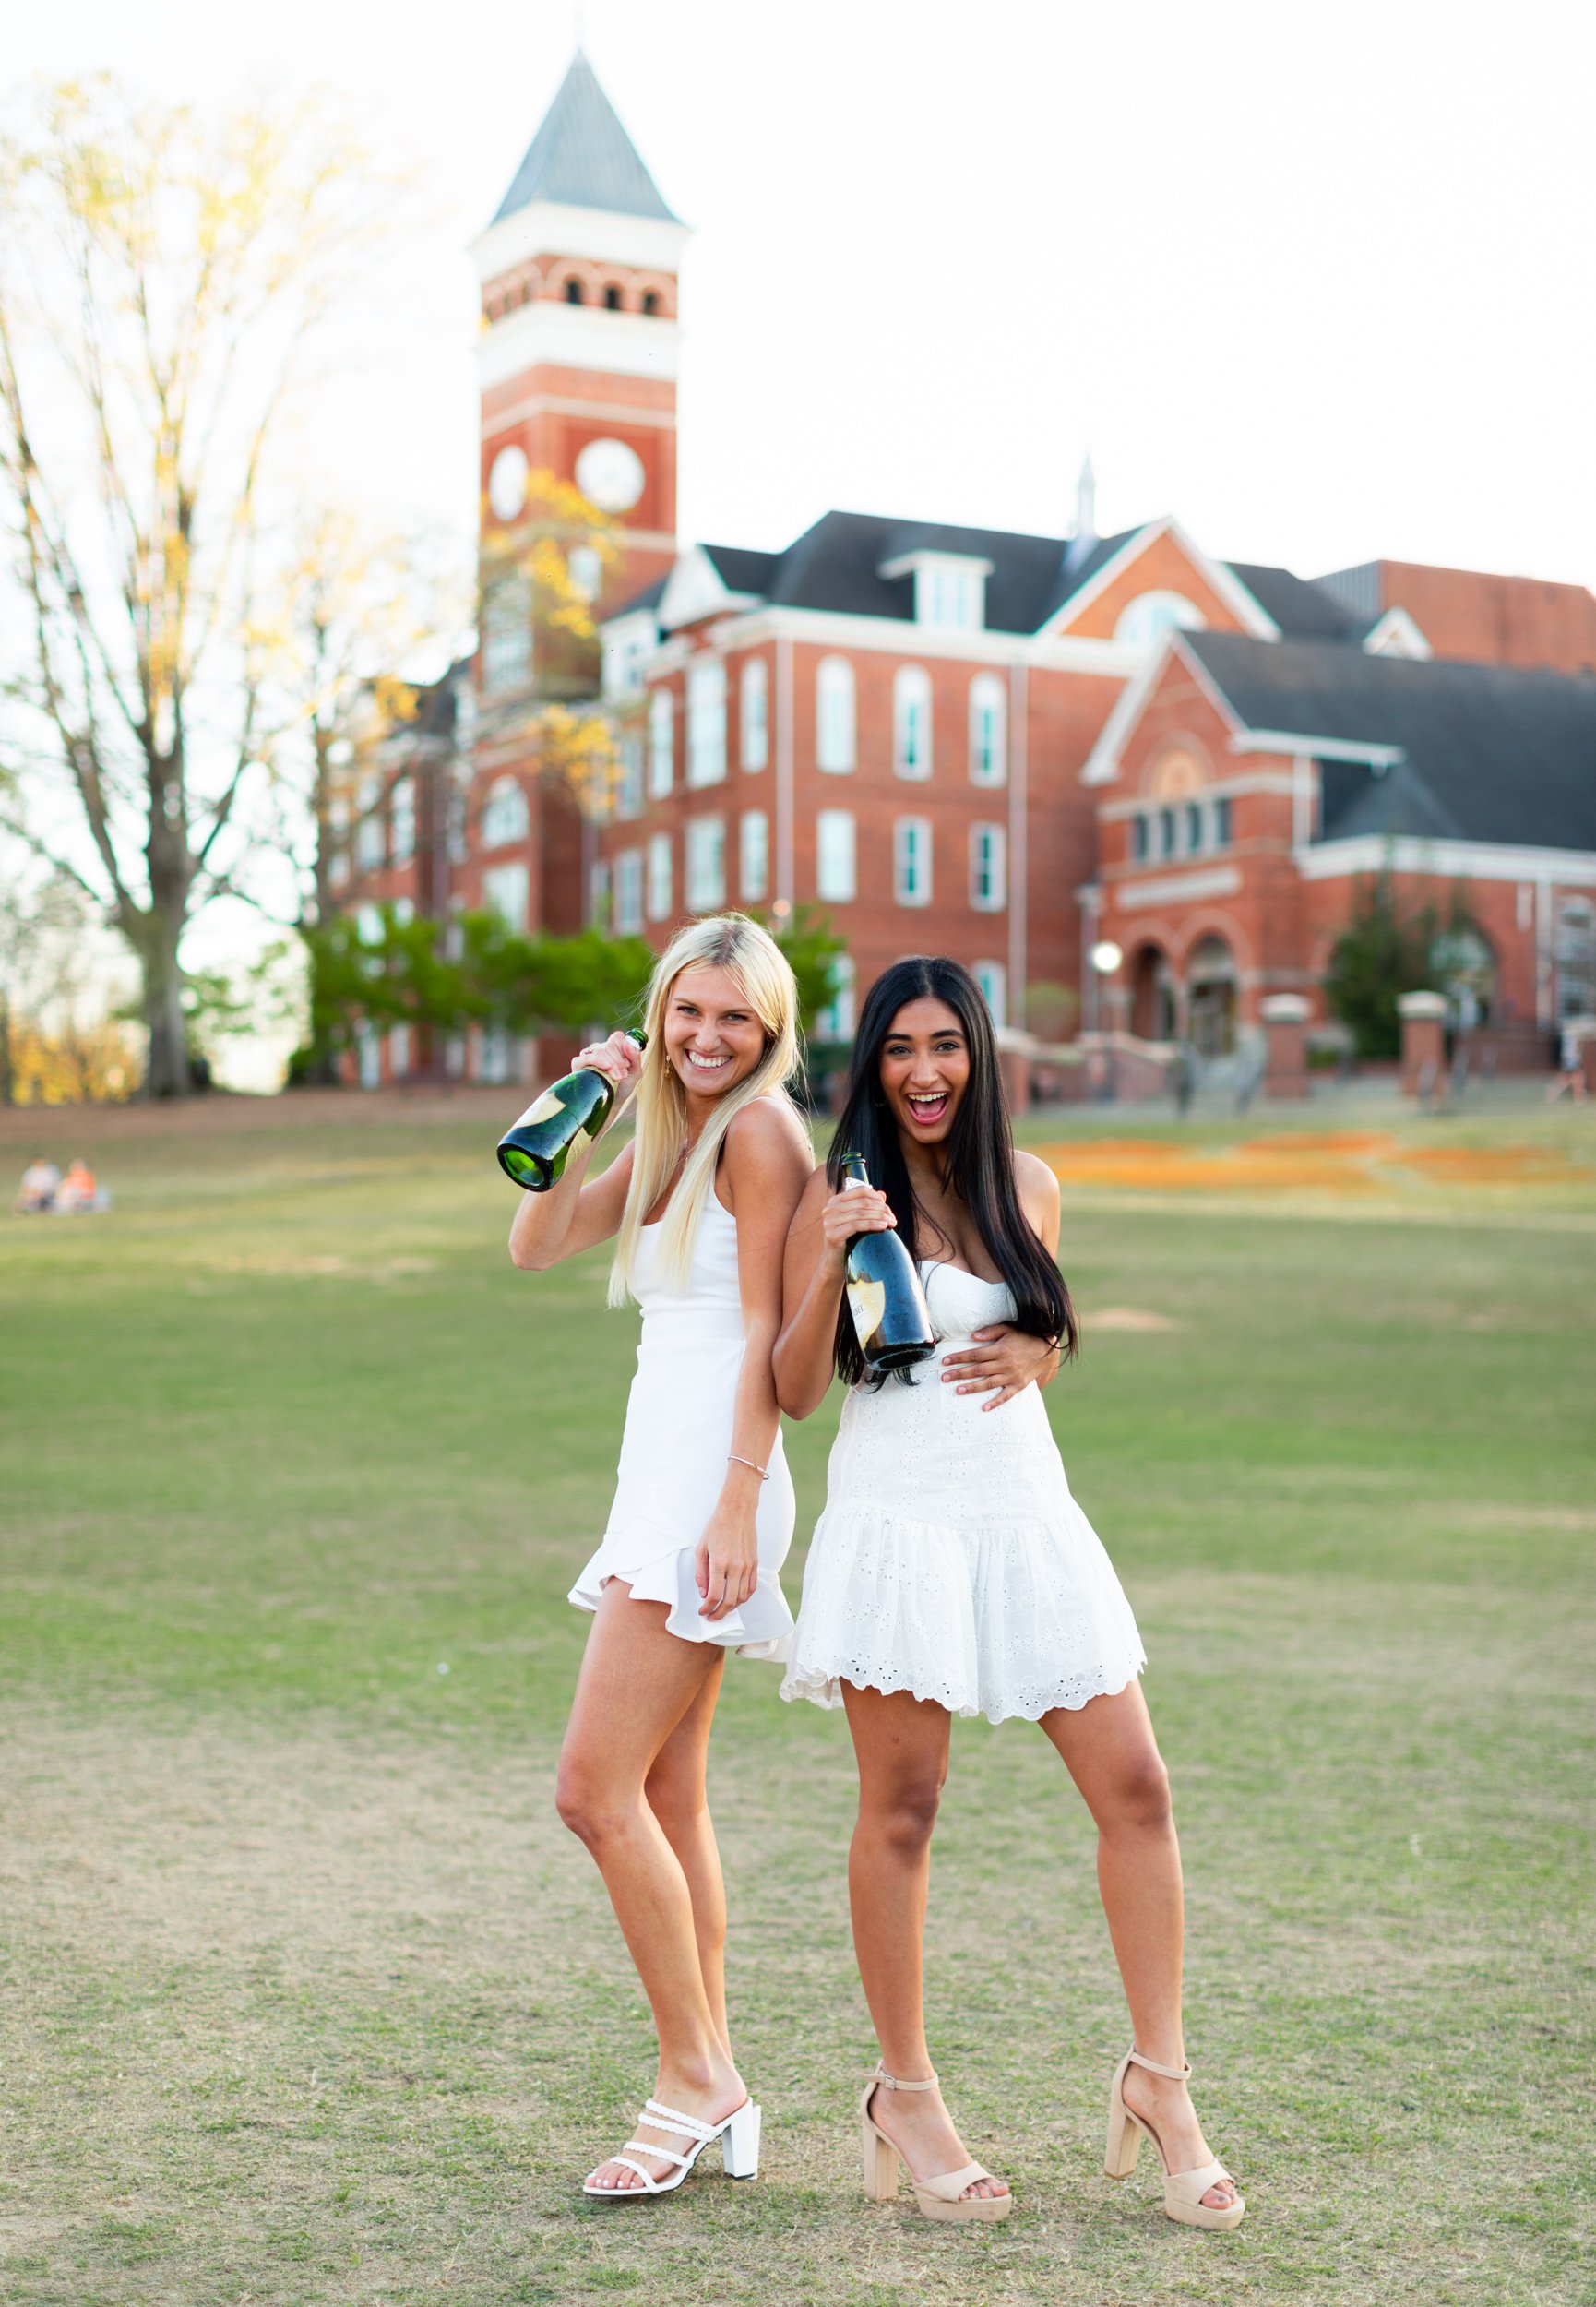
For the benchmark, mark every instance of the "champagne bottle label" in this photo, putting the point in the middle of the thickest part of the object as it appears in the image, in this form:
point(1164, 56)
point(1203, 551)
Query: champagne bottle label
point(866, 1303)
point(543, 1108)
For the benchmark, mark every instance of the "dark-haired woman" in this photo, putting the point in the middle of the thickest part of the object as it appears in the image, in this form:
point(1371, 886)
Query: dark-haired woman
point(952, 1572)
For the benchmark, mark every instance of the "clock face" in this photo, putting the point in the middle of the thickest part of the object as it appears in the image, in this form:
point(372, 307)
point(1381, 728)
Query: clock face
point(611, 475)
point(507, 483)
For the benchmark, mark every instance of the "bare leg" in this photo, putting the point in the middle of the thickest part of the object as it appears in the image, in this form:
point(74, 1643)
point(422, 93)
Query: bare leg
point(902, 1745)
point(676, 1795)
point(1109, 1748)
point(637, 1685)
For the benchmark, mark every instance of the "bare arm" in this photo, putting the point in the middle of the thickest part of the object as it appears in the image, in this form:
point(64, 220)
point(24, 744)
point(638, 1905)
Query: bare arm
point(575, 1214)
point(763, 1169)
point(815, 1272)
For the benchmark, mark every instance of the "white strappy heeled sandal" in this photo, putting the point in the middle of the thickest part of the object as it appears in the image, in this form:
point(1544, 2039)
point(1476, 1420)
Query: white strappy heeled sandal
point(942, 2198)
point(1183, 2190)
point(738, 2133)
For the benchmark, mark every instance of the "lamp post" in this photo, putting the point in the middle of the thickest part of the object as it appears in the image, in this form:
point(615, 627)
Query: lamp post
point(1106, 958)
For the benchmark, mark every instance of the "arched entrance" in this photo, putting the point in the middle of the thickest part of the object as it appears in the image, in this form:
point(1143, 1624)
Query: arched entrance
point(1152, 995)
point(1211, 997)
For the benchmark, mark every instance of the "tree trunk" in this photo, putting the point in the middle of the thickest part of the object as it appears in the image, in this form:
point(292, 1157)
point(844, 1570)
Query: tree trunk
point(8, 1067)
point(167, 1072)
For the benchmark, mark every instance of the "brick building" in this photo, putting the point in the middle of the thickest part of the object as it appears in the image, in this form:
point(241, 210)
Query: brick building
point(1007, 747)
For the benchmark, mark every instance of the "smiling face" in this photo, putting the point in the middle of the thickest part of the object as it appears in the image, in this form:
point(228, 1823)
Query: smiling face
point(924, 1070)
point(712, 1033)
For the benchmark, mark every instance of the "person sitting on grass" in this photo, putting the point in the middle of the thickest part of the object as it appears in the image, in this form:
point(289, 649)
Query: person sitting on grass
point(37, 1192)
point(77, 1190)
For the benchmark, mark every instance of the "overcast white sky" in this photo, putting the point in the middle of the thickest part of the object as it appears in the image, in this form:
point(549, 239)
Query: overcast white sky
point(1316, 279)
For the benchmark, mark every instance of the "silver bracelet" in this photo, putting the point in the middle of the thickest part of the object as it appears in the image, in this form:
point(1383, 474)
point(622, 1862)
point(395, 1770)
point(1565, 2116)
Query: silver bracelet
point(733, 1460)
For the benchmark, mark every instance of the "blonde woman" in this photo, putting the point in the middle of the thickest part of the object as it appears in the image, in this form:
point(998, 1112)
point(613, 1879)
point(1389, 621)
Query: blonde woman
point(700, 1201)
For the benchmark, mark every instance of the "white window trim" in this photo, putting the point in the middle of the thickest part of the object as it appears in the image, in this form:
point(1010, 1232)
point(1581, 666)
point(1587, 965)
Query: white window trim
point(659, 887)
point(752, 886)
point(908, 831)
point(911, 683)
point(705, 838)
point(661, 744)
point(828, 887)
point(836, 697)
point(995, 837)
point(987, 690)
point(706, 723)
point(754, 728)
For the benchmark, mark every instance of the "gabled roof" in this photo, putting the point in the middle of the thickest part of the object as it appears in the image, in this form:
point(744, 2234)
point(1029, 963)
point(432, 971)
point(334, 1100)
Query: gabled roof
point(582, 157)
point(1491, 752)
point(1301, 608)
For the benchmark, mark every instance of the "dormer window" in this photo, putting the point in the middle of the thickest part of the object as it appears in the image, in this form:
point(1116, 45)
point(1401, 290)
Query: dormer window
point(949, 589)
point(574, 291)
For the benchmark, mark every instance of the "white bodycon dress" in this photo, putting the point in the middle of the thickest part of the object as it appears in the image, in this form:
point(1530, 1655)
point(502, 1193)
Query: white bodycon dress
point(674, 1452)
point(951, 1560)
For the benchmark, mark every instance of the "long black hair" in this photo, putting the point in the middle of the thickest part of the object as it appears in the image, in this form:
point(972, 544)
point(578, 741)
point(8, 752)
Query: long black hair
point(980, 1153)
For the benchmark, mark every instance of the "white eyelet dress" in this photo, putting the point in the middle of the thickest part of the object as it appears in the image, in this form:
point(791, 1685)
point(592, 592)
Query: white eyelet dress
point(951, 1560)
point(674, 1452)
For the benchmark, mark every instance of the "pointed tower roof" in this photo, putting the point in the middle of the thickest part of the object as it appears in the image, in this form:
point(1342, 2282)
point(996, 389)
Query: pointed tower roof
point(582, 157)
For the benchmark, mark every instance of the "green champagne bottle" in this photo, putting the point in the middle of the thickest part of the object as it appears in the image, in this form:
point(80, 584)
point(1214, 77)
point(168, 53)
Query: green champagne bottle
point(890, 1316)
point(535, 1152)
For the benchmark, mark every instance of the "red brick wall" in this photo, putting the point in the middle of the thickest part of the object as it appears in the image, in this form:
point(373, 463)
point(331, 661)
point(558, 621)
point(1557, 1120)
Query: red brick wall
point(1497, 620)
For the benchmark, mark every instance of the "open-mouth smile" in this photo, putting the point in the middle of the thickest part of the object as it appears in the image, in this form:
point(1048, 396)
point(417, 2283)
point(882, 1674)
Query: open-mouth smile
point(708, 1065)
point(927, 1106)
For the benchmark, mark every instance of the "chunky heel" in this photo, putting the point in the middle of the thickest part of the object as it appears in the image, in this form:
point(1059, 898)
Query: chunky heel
point(940, 2198)
point(740, 2143)
point(881, 2163)
point(1124, 2136)
point(1183, 2190)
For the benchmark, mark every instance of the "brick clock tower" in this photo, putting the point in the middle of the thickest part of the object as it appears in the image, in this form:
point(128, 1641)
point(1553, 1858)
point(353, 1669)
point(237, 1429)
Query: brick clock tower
point(579, 274)
point(578, 350)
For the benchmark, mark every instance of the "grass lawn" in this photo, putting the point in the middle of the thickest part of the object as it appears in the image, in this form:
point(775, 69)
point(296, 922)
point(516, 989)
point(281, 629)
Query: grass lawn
point(305, 1995)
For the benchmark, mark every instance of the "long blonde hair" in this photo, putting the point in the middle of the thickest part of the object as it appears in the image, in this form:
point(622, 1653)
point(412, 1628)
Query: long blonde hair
point(751, 956)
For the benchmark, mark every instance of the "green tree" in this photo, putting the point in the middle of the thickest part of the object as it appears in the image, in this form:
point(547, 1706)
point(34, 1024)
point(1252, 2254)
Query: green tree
point(1387, 947)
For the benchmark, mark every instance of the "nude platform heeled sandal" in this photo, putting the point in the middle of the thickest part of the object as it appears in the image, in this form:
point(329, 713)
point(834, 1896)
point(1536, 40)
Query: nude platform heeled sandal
point(738, 2133)
point(937, 2198)
point(1183, 2190)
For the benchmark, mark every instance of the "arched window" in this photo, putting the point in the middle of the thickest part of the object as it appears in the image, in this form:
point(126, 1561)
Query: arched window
point(834, 714)
point(1145, 621)
point(612, 298)
point(707, 722)
point(575, 293)
point(988, 729)
point(912, 722)
point(754, 855)
point(756, 711)
point(661, 744)
point(505, 817)
point(835, 875)
point(652, 304)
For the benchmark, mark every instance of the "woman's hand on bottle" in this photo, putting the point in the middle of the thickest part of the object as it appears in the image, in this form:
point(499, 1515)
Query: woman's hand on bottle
point(726, 1561)
point(856, 1209)
point(620, 1061)
point(1000, 1362)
